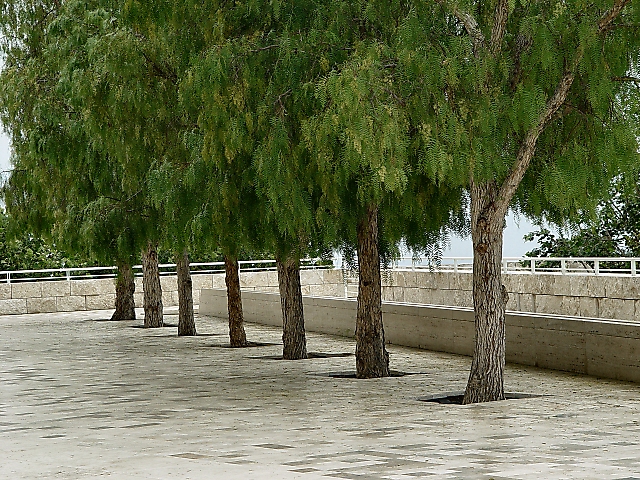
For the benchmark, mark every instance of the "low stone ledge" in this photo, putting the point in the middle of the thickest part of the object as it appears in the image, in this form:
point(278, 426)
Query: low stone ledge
point(56, 288)
point(604, 348)
point(100, 286)
point(101, 302)
point(203, 280)
point(169, 298)
point(72, 303)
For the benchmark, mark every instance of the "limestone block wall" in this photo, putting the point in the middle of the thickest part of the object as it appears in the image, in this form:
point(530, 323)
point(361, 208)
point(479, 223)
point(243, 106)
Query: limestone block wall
point(62, 295)
point(573, 295)
point(583, 296)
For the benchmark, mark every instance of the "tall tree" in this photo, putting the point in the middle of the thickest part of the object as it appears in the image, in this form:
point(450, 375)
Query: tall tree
point(52, 149)
point(127, 89)
point(361, 140)
point(519, 102)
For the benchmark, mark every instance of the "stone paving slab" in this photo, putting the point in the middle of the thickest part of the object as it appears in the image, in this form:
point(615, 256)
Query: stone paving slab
point(82, 397)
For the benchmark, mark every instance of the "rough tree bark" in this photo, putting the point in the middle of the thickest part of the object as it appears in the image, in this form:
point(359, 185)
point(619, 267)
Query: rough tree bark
point(293, 334)
point(125, 288)
point(372, 359)
point(237, 335)
point(186, 320)
point(486, 380)
point(152, 289)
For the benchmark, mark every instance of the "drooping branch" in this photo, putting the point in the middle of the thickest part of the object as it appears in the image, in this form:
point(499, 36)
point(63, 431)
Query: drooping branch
point(470, 25)
point(165, 72)
point(523, 44)
point(500, 18)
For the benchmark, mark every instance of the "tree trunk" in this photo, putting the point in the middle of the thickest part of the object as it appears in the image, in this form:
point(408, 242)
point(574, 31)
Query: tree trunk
point(237, 335)
point(486, 380)
point(372, 359)
point(186, 320)
point(293, 335)
point(125, 288)
point(152, 288)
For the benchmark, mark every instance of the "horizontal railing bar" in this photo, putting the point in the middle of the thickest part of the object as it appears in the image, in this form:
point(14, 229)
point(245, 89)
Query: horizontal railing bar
point(67, 273)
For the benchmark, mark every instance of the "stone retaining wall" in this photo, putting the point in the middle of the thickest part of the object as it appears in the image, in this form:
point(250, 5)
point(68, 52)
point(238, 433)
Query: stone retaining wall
point(608, 349)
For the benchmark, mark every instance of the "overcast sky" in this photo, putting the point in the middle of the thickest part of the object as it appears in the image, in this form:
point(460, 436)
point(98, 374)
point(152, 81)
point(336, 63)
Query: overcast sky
point(513, 246)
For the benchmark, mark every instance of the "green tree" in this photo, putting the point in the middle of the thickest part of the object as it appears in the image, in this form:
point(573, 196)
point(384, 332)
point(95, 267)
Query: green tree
point(61, 186)
point(125, 85)
point(520, 102)
point(361, 140)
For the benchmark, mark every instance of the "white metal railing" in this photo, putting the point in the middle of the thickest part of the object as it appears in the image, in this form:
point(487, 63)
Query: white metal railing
point(612, 266)
point(9, 276)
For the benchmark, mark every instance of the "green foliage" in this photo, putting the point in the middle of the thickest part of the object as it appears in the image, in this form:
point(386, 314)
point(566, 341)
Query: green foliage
point(272, 126)
point(473, 109)
point(76, 177)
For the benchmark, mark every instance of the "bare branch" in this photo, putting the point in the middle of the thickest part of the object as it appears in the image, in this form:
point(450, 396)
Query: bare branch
point(607, 19)
point(500, 18)
point(523, 44)
point(262, 49)
point(627, 78)
point(469, 23)
point(528, 147)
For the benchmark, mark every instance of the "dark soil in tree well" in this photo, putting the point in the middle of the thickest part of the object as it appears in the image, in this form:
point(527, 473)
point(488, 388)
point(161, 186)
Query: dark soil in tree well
point(392, 373)
point(457, 398)
point(310, 356)
point(166, 325)
point(246, 345)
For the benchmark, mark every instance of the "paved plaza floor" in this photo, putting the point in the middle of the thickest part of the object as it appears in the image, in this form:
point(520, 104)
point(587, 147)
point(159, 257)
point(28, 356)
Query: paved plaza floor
point(83, 397)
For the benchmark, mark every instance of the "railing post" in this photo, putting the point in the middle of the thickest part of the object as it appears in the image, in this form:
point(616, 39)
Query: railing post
point(596, 267)
point(68, 275)
point(345, 281)
point(8, 277)
point(505, 265)
point(455, 265)
point(533, 265)
point(563, 266)
point(633, 268)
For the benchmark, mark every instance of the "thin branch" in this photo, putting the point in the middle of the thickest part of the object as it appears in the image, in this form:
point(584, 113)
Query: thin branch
point(528, 147)
point(262, 49)
point(627, 78)
point(280, 103)
point(469, 23)
point(167, 73)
